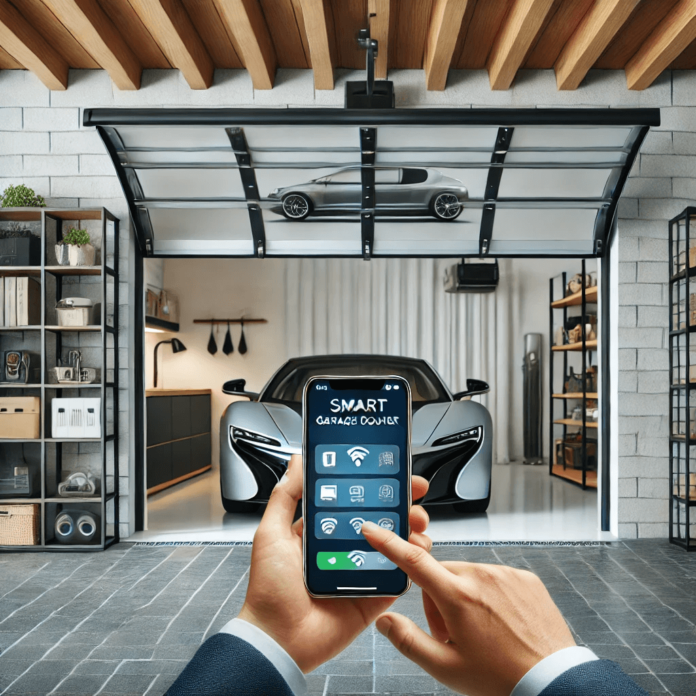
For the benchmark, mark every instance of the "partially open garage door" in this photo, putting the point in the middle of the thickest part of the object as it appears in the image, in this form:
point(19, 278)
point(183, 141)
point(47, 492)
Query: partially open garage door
point(329, 182)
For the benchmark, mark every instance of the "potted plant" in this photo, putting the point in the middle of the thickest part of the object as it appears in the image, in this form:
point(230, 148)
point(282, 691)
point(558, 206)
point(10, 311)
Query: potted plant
point(80, 251)
point(21, 196)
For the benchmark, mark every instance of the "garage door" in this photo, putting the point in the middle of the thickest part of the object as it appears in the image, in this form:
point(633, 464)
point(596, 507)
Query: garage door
point(416, 182)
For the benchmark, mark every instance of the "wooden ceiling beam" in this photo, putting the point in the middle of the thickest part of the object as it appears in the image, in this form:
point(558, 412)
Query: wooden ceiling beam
point(317, 28)
point(596, 31)
point(378, 12)
point(99, 37)
point(671, 36)
point(172, 29)
point(30, 49)
point(510, 48)
point(445, 24)
point(245, 21)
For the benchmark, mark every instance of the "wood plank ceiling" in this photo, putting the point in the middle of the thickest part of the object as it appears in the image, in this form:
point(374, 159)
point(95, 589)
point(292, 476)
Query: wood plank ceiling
point(642, 37)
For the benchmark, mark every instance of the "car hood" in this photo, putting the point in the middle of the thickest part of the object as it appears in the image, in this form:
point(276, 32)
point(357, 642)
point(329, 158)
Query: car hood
point(423, 423)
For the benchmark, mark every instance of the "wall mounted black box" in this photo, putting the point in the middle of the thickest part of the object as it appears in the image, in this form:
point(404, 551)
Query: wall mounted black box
point(20, 251)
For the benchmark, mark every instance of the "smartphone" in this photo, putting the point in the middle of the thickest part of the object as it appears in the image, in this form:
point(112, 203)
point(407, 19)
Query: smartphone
point(357, 467)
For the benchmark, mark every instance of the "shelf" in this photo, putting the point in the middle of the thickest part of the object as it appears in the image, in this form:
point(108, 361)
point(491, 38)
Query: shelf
point(682, 438)
point(10, 385)
point(74, 270)
point(577, 395)
point(589, 345)
point(73, 439)
point(570, 421)
point(576, 299)
point(78, 385)
point(681, 274)
point(161, 324)
point(20, 328)
point(690, 502)
point(12, 271)
point(73, 329)
point(19, 501)
point(87, 499)
point(12, 439)
point(575, 475)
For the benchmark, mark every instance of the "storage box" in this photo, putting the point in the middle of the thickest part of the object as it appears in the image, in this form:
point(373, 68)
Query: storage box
point(20, 417)
point(19, 525)
point(86, 315)
point(20, 251)
point(76, 418)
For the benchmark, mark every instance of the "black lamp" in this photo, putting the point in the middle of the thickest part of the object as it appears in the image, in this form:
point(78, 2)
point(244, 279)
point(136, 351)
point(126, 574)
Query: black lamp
point(177, 347)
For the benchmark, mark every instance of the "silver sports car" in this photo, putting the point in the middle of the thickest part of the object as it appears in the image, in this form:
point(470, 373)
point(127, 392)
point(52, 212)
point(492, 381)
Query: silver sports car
point(398, 191)
point(451, 439)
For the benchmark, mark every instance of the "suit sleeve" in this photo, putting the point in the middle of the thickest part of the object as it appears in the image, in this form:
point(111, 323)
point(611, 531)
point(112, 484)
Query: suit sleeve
point(226, 665)
point(595, 678)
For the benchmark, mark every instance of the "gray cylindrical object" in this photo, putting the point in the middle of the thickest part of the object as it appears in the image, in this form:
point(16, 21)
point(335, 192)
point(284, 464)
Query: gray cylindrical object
point(532, 405)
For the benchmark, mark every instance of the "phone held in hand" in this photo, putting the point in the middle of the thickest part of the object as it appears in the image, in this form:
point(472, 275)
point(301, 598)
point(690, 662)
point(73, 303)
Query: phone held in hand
point(356, 442)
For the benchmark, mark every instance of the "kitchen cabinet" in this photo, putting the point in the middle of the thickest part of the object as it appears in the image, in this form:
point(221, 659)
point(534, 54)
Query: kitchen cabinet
point(178, 436)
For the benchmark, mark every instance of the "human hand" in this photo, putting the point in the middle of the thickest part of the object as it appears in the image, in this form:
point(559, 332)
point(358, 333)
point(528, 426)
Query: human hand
point(490, 624)
point(311, 630)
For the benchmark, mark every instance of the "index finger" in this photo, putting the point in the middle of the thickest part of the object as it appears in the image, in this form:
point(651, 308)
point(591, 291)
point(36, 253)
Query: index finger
point(417, 563)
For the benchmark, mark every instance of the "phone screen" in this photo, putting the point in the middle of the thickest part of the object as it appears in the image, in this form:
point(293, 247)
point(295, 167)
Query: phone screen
point(357, 467)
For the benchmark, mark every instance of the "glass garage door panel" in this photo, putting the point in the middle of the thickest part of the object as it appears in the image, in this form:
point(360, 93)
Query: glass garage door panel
point(174, 137)
point(191, 183)
point(314, 236)
point(528, 231)
point(284, 146)
point(432, 158)
point(202, 232)
point(568, 184)
point(437, 137)
point(613, 157)
point(563, 137)
point(170, 157)
point(427, 236)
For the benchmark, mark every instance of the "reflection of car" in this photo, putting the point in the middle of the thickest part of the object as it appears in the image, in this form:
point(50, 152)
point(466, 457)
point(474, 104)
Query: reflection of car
point(451, 439)
point(398, 191)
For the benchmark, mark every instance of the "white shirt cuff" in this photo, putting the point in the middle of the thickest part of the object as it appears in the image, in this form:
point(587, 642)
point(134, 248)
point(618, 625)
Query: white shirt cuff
point(273, 652)
point(550, 668)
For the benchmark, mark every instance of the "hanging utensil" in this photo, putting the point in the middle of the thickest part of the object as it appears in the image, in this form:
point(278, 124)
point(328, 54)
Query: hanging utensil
point(228, 346)
point(242, 341)
point(212, 345)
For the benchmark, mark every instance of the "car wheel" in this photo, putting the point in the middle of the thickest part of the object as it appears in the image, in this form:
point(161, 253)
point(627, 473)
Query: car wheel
point(296, 206)
point(239, 506)
point(473, 506)
point(446, 206)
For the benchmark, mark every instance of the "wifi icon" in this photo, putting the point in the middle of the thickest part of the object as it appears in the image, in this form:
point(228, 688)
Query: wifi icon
point(358, 557)
point(328, 524)
point(357, 454)
point(356, 523)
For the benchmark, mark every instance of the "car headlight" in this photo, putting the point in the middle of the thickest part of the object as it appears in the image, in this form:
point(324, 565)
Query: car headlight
point(251, 436)
point(274, 193)
point(456, 438)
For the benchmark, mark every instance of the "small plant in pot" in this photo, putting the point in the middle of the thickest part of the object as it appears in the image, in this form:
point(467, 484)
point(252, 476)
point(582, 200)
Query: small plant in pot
point(75, 248)
point(21, 196)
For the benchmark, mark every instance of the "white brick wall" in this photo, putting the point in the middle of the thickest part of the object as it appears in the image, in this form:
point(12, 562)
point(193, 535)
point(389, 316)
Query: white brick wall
point(43, 144)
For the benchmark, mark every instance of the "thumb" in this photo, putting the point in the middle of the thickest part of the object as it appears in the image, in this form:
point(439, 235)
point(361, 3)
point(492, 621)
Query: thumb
point(414, 643)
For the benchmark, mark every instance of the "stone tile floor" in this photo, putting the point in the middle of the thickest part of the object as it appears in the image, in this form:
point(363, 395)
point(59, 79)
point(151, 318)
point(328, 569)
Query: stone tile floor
point(126, 621)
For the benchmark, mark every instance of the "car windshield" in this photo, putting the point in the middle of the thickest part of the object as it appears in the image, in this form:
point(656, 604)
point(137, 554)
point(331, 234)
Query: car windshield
point(287, 385)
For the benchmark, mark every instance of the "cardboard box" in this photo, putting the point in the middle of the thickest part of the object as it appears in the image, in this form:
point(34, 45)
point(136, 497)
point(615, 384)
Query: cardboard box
point(20, 417)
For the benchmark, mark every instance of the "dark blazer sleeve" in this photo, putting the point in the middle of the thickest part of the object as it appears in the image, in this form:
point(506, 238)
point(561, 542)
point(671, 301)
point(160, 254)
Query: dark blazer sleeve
point(596, 678)
point(226, 665)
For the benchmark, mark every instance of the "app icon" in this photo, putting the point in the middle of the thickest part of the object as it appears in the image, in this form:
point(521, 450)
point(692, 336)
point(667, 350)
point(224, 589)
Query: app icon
point(386, 458)
point(329, 492)
point(332, 560)
point(386, 493)
point(386, 523)
point(328, 524)
point(357, 454)
point(357, 493)
point(356, 523)
point(328, 459)
point(358, 557)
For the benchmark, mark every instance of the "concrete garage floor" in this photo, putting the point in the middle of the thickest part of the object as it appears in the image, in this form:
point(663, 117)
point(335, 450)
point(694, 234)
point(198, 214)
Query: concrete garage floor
point(127, 620)
point(526, 504)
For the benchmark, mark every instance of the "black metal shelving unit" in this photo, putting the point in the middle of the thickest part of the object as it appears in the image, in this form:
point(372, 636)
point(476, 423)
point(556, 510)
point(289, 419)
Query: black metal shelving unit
point(51, 342)
point(584, 477)
point(682, 372)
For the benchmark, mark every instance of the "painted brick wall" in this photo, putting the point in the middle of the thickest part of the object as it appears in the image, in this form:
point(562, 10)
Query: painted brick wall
point(43, 144)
